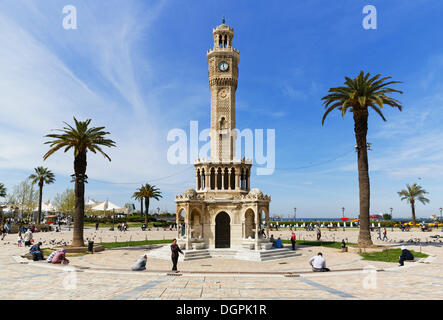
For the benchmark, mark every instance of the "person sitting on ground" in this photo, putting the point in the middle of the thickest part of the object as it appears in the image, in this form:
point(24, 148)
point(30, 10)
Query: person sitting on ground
point(278, 243)
point(140, 264)
point(60, 257)
point(36, 252)
point(405, 255)
point(49, 260)
point(143, 227)
point(271, 239)
point(318, 263)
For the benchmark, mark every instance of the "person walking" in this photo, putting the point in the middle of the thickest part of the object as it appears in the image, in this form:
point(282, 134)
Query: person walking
point(318, 232)
point(175, 250)
point(96, 226)
point(385, 234)
point(293, 239)
point(379, 233)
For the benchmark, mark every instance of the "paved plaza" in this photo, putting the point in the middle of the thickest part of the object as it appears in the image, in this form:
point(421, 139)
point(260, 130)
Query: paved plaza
point(106, 275)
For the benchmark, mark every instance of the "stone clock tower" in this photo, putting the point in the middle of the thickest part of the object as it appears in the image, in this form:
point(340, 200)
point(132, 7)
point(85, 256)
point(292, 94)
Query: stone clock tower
point(223, 62)
point(222, 211)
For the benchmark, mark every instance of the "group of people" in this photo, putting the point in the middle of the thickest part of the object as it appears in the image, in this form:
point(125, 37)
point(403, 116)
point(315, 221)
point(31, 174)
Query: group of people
point(56, 257)
point(385, 234)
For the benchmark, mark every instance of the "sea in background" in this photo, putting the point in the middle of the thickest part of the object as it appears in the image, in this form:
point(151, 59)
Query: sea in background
point(339, 219)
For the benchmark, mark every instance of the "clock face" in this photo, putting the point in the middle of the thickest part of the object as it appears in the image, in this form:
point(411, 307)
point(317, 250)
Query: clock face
point(223, 66)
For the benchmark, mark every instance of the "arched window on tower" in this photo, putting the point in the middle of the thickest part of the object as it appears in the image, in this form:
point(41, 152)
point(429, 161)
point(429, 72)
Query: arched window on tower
point(212, 180)
point(219, 179)
point(233, 179)
point(203, 179)
point(226, 179)
point(242, 180)
point(199, 182)
point(247, 179)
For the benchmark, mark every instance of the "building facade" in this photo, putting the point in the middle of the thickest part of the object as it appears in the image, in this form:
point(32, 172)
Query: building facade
point(222, 211)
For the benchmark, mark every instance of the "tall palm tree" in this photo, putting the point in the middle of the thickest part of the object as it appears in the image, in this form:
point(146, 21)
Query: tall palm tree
point(41, 176)
point(147, 191)
point(358, 96)
point(412, 194)
point(82, 139)
point(137, 196)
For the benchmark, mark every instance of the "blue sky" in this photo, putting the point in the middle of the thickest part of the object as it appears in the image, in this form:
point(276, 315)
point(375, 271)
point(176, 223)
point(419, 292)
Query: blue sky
point(139, 68)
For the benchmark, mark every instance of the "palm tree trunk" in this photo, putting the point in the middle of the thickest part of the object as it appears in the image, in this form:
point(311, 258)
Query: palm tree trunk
point(413, 212)
point(141, 207)
point(40, 185)
point(146, 210)
point(79, 211)
point(361, 130)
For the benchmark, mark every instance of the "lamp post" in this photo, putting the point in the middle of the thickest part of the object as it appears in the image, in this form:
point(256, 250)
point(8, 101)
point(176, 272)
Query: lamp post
point(295, 210)
point(392, 221)
point(441, 220)
point(343, 212)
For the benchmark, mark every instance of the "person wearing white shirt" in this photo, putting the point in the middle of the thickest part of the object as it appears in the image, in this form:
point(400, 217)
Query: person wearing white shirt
point(318, 263)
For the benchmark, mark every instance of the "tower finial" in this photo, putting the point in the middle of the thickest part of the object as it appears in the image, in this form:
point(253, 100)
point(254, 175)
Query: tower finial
point(223, 21)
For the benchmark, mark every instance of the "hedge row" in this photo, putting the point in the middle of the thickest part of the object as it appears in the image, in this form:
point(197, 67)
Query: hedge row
point(348, 223)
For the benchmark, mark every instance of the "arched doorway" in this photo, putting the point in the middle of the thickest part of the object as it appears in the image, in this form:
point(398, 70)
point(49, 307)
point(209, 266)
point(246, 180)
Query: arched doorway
point(222, 230)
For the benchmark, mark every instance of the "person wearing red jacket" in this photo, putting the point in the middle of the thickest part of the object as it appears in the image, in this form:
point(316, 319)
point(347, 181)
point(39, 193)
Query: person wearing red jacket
point(293, 239)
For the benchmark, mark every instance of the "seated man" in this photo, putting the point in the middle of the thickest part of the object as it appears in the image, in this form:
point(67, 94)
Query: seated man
point(271, 239)
point(140, 264)
point(278, 243)
point(60, 257)
point(318, 263)
point(36, 252)
point(405, 255)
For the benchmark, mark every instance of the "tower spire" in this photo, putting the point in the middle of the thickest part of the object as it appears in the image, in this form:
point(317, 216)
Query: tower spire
point(223, 20)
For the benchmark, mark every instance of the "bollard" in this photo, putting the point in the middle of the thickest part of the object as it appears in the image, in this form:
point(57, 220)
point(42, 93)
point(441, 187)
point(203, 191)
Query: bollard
point(91, 246)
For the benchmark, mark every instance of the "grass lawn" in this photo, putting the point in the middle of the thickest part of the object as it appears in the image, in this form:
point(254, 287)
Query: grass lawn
point(47, 252)
point(328, 244)
point(110, 245)
point(389, 255)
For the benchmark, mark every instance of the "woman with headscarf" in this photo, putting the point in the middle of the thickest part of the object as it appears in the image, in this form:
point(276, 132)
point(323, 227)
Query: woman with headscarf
point(60, 257)
point(140, 264)
point(36, 252)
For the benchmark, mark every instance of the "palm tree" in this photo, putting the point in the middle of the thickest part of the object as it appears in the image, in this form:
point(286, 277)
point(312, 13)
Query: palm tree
point(137, 196)
point(2, 190)
point(358, 96)
point(82, 139)
point(147, 191)
point(41, 176)
point(411, 194)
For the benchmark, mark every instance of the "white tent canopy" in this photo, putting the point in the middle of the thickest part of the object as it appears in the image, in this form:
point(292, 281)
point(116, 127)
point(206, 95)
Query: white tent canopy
point(107, 206)
point(46, 207)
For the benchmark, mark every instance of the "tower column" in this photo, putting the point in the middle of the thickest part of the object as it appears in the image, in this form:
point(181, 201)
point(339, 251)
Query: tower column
point(256, 229)
point(237, 181)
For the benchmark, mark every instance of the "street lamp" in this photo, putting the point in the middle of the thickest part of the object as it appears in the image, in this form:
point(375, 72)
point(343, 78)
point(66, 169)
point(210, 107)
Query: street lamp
point(343, 212)
point(295, 210)
point(392, 221)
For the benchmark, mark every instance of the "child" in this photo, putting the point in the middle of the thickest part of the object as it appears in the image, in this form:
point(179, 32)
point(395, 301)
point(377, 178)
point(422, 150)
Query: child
point(19, 240)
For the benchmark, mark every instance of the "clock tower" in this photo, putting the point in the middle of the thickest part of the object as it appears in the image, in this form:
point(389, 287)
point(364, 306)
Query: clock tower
point(222, 211)
point(223, 62)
